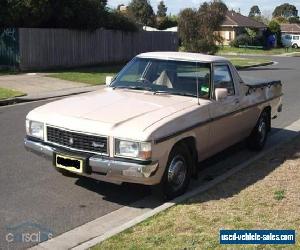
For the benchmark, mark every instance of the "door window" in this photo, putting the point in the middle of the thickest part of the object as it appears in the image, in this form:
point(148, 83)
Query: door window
point(223, 79)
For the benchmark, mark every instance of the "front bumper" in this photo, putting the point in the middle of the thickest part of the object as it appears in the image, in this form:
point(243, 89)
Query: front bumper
point(104, 168)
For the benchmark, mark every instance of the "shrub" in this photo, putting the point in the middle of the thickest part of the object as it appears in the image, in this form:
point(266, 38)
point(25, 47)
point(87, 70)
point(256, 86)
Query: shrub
point(117, 21)
point(166, 22)
point(243, 39)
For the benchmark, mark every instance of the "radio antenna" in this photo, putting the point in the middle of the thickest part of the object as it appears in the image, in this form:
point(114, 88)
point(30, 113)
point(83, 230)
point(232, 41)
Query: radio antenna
point(197, 83)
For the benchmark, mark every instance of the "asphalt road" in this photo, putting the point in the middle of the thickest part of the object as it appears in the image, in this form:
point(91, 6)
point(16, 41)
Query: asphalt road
point(34, 195)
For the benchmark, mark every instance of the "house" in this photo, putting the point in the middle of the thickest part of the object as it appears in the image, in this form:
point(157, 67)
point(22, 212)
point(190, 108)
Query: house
point(290, 28)
point(235, 24)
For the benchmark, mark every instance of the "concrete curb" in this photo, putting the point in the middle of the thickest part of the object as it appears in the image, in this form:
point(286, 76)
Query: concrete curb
point(45, 96)
point(8, 101)
point(245, 54)
point(94, 232)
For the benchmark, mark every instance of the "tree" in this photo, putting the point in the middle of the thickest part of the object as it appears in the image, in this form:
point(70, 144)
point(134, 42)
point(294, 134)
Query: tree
point(254, 11)
point(294, 19)
point(285, 10)
point(197, 28)
point(274, 28)
point(74, 14)
point(161, 9)
point(141, 11)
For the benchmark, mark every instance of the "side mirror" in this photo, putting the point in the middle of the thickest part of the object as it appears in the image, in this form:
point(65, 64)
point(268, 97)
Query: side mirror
point(221, 94)
point(108, 80)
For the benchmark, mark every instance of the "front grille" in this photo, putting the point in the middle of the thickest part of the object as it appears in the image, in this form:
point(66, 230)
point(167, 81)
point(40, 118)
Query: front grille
point(77, 141)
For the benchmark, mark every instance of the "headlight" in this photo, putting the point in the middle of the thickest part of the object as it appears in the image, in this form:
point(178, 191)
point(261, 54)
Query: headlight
point(132, 149)
point(35, 129)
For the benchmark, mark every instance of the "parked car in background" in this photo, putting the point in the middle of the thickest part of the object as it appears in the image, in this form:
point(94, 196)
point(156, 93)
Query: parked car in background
point(291, 40)
point(160, 116)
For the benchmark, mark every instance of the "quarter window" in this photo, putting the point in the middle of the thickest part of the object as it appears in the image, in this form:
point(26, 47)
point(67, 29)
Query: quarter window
point(288, 37)
point(296, 37)
point(223, 78)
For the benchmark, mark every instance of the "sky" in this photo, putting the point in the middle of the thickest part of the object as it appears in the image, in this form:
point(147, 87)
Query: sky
point(174, 6)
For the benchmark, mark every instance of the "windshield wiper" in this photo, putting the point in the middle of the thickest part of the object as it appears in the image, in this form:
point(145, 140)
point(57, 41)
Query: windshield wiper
point(132, 87)
point(174, 93)
point(144, 80)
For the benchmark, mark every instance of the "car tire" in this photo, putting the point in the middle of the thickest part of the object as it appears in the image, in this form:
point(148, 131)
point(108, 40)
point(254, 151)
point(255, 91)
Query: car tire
point(177, 175)
point(66, 173)
point(258, 137)
point(295, 46)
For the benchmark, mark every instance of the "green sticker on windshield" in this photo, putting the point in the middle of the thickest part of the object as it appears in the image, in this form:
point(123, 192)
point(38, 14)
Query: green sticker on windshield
point(204, 89)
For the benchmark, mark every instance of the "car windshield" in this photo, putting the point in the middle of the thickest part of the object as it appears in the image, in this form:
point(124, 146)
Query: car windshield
point(165, 76)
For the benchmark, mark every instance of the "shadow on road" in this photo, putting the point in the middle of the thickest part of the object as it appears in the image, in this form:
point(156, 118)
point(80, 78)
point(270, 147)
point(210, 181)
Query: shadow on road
point(124, 194)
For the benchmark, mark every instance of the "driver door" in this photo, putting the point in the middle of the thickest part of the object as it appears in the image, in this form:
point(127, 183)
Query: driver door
point(225, 130)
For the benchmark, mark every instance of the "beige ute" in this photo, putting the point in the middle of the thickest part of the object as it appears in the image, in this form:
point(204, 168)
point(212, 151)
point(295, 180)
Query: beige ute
point(161, 115)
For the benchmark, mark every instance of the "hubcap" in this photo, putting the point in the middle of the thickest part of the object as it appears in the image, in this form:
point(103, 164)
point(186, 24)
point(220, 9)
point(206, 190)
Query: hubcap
point(262, 129)
point(177, 172)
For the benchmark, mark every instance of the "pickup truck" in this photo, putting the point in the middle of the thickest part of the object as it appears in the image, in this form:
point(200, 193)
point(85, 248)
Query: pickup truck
point(161, 115)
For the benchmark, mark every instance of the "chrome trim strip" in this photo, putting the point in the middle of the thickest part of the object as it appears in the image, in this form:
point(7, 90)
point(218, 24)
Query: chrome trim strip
point(81, 133)
point(167, 137)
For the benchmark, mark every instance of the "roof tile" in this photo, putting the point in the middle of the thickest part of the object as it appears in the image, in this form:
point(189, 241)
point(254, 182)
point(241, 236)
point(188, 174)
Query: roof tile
point(236, 19)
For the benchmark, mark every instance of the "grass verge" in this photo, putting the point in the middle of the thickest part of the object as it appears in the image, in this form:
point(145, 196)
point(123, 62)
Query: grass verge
point(89, 75)
point(265, 195)
point(275, 51)
point(243, 62)
point(9, 93)
point(9, 72)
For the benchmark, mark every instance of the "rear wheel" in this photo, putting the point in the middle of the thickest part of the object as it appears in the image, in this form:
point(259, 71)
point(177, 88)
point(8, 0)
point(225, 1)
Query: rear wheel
point(258, 137)
point(177, 174)
point(295, 46)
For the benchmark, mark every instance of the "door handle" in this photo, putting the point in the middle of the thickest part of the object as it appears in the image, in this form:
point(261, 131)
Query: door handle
point(236, 101)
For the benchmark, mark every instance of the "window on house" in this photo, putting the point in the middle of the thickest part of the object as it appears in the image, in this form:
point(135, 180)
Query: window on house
point(228, 35)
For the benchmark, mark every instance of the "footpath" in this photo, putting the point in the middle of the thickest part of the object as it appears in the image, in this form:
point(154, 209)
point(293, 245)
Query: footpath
point(37, 86)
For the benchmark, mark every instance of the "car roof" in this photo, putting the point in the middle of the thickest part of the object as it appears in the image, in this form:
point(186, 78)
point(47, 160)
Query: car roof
point(182, 56)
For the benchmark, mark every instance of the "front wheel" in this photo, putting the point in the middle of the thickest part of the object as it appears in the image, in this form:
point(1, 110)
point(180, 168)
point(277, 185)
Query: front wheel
point(177, 174)
point(258, 137)
point(295, 46)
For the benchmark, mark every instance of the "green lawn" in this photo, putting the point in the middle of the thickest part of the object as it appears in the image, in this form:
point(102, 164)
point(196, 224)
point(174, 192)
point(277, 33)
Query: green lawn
point(90, 75)
point(276, 51)
point(265, 195)
point(9, 93)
